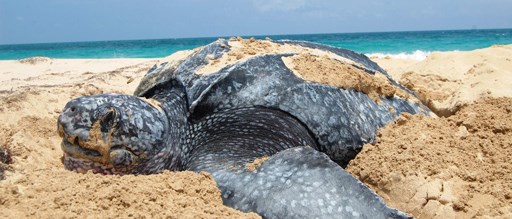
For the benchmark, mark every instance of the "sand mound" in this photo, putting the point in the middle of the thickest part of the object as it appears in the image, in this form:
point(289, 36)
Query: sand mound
point(445, 81)
point(65, 195)
point(325, 70)
point(444, 167)
point(35, 60)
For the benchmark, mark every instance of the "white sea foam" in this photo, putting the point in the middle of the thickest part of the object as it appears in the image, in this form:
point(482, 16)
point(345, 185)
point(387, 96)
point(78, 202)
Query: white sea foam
point(416, 55)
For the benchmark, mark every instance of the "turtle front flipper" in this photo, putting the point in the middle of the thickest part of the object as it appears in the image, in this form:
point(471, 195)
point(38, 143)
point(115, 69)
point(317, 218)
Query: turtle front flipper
point(301, 183)
point(295, 182)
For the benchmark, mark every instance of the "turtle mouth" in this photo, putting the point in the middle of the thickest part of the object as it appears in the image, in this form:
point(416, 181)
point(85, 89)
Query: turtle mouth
point(71, 146)
point(81, 165)
point(77, 157)
point(80, 159)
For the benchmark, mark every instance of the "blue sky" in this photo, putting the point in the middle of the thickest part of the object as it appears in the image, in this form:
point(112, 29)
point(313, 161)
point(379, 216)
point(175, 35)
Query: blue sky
point(35, 21)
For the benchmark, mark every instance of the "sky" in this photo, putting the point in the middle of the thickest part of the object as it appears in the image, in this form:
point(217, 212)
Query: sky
point(38, 21)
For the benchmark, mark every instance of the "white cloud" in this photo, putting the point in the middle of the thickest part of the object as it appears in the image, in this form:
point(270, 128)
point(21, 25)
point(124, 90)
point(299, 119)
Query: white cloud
point(278, 5)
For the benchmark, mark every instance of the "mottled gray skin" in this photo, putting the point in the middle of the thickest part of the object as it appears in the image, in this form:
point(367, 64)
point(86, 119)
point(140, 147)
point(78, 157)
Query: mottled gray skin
point(222, 121)
point(137, 133)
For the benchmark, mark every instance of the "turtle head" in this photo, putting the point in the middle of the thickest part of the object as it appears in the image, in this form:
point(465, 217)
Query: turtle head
point(113, 134)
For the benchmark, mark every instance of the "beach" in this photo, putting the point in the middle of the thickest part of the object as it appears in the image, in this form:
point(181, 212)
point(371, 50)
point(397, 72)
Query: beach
point(453, 165)
point(457, 165)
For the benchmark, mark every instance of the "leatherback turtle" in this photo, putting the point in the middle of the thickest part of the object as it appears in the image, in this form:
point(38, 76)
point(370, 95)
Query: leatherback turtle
point(233, 101)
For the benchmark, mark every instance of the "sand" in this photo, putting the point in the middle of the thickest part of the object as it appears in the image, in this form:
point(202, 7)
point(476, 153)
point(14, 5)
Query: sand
point(446, 167)
point(325, 70)
point(446, 81)
point(455, 166)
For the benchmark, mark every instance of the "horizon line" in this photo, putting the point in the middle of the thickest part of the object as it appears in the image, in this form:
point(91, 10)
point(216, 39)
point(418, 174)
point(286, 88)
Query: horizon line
point(258, 35)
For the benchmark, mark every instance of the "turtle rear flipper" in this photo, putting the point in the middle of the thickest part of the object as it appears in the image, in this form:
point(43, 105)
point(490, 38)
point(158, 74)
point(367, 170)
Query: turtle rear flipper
point(303, 183)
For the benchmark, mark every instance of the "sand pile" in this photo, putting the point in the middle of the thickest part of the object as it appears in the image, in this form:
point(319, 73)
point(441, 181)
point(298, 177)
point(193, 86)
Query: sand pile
point(450, 167)
point(444, 167)
point(446, 81)
point(326, 70)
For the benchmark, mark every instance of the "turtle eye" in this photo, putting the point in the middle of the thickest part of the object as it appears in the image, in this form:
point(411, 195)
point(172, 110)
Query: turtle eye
point(108, 119)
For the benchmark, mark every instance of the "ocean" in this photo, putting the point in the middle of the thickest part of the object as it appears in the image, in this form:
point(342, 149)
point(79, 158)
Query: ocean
point(413, 45)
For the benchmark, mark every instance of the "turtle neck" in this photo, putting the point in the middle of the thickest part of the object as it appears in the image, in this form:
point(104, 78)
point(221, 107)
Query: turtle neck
point(172, 98)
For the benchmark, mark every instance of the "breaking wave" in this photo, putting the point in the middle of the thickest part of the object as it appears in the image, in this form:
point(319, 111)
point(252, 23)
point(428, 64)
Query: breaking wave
point(416, 55)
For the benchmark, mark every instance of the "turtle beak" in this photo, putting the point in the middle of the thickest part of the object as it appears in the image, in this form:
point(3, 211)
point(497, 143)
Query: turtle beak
point(79, 139)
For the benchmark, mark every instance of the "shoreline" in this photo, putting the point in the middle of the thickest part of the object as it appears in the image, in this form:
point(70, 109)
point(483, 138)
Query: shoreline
point(34, 91)
point(393, 42)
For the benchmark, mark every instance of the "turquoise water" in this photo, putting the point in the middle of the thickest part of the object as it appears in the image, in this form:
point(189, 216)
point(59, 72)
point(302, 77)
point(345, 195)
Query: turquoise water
point(418, 43)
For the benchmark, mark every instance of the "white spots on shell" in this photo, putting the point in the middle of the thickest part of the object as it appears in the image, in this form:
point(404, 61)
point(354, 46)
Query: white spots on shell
point(333, 136)
point(289, 173)
point(332, 120)
point(139, 123)
point(329, 209)
point(247, 178)
point(304, 202)
point(293, 203)
point(264, 193)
